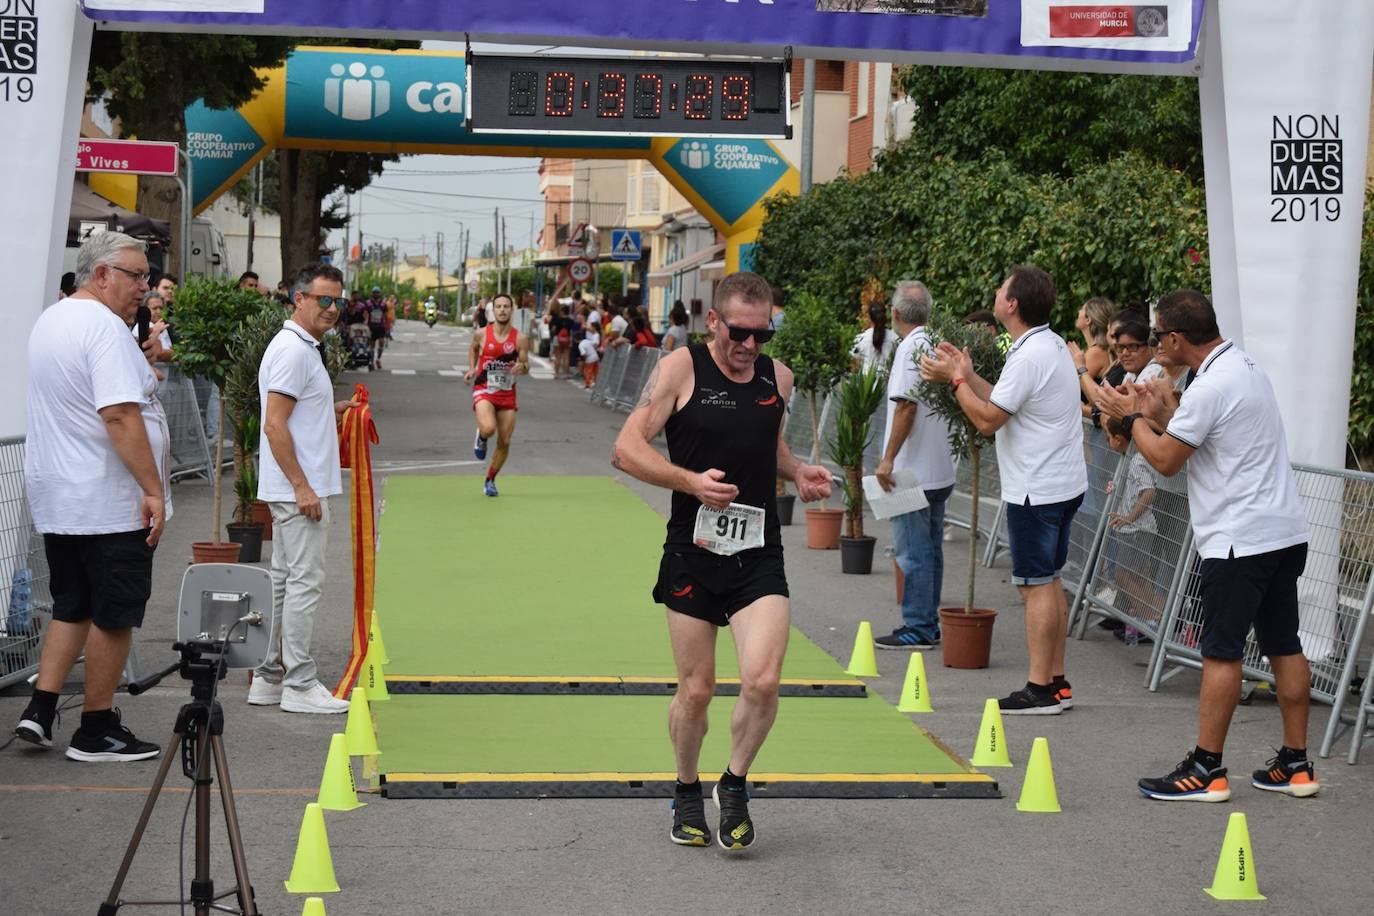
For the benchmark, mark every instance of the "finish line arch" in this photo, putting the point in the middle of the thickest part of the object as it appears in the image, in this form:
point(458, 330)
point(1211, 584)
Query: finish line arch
point(412, 101)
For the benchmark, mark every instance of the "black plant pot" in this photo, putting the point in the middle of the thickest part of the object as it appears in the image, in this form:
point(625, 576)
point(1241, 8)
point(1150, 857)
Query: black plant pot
point(249, 536)
point(856, 555)
point(785, 501)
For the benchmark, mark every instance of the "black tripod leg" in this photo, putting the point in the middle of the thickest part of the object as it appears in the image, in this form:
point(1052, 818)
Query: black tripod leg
point(111, 904)
point(247, 905)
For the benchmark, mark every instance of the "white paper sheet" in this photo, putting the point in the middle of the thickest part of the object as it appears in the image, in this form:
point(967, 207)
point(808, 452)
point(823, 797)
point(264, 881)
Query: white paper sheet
point(906, 497)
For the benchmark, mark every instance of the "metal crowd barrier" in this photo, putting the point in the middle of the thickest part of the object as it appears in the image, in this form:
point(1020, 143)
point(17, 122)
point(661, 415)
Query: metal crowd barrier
point(1363, 714)
point(28, 605)
point(609, 376)
point(991, 510)
point(624, 372)
point(191, 453)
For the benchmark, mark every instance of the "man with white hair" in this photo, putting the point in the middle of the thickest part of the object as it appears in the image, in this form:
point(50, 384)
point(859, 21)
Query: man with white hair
point(95, 469)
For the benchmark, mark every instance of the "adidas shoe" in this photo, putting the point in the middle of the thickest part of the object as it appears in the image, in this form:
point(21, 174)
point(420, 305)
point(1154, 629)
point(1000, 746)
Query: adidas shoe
point(1063, 692)
point(110, 742)
point(1190, 781)
point(736, 827)
point(689, 819)
point(1295, 778)
point(479, 447)
point(1030, 702)
point(905, 638)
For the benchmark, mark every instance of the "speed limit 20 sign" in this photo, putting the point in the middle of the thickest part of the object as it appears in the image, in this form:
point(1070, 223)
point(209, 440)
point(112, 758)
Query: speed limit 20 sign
point(580, 270)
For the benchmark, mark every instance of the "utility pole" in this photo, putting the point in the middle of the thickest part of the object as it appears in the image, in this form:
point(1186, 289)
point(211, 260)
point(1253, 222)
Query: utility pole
point(505, 251)
point(254, 201)
point(440, 278)
point(496, 245)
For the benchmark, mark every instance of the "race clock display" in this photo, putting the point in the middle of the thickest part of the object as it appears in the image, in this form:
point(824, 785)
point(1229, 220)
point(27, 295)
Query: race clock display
point(628, 96)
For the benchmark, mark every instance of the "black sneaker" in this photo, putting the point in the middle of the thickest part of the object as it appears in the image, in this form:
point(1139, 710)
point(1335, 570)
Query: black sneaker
point(111, 743)
point(1063, 692)
point(689, 819)
point(736, 827)
point(1190, 781)
point(1295, 778)
point(905, 638)
point(1028, 702)
point(35, 727)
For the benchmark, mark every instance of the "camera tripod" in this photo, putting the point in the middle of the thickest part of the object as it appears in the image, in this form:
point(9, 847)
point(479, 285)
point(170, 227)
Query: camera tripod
point(198, 733)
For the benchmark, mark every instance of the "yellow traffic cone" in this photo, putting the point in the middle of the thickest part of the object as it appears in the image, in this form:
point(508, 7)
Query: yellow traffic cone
point(337, 792)
point(314, 906)
point(1235, 875)
point(991, 749)
point(312, 871)
point(375, 643)
point(374, 679)
point(1037, 792)
point(358, 733)
point(862, 662)
point(915, 697)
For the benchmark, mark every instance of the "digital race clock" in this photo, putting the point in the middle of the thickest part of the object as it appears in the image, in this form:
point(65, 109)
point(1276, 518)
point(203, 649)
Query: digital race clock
point(629, 96)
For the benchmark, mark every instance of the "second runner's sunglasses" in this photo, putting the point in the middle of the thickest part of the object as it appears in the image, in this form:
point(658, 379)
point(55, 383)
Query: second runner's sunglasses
point(740, 335)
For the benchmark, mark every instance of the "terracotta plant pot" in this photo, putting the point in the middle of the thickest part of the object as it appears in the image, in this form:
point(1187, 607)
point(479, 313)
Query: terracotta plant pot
point(262, 514)
point(214, 552)
point(856, 555)
point(823, 528)
point(249, 536)
point(966, 639)
point(786, 502)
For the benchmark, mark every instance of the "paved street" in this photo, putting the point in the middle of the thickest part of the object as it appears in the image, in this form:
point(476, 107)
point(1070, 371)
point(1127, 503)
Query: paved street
point(63, 825)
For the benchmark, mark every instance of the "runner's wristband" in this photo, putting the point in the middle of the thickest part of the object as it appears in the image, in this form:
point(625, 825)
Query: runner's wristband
point(1127, 423)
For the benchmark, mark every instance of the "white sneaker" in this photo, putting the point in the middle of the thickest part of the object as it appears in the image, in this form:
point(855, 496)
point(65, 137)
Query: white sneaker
point(314, 699)
point(263, 692)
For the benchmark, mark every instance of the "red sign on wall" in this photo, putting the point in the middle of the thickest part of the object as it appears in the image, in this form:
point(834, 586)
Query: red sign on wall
point(131, 157)
point(1110, 20)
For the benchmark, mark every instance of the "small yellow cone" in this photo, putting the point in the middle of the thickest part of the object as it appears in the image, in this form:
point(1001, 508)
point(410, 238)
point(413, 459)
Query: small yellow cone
point(314, 906)
point(1235, 875)
point(312, 871)
point(1037, 792)
point(915, 696)
point(374, 679)
point(375, 643)
point(337, 792)
point(991, 749)
point(862, 662)
point(358, 733)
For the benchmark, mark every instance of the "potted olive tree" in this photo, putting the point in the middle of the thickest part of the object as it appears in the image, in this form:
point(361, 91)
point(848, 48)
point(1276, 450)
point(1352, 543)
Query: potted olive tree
point(966, 631)
point(814, 343)
point(252, 521)
point(207, 314)
point(856, 400)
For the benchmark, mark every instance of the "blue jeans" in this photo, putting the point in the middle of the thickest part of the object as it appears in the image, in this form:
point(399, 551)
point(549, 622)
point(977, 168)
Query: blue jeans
point(920, 554)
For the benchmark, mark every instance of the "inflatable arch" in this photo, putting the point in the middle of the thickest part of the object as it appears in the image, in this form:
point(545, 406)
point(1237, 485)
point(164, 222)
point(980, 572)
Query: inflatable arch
point(410, 101)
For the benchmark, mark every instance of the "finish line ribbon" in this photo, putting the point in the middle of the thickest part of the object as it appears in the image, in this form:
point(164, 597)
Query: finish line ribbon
point(357, 435)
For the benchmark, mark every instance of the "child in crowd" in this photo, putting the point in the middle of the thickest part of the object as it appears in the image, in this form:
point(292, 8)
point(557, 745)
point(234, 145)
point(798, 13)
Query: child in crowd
point(1136, 531)
point(591, 359)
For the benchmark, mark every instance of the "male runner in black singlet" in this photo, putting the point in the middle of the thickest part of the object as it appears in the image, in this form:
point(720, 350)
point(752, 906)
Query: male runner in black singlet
point(722, 406)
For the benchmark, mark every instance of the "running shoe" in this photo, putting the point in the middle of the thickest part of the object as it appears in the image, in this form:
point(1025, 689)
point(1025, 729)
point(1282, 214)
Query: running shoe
point(35, 727)
point(1295, 778)
point(1190, 781)
point(489, 488)
point(1028, 702)
point(1063, 692)
point(905, 638)
point(479, 447)
point(736, 827)
point(110, 742)
point(689, 819)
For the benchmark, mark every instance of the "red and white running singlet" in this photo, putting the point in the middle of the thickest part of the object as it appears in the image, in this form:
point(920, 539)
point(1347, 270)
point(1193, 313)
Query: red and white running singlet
point(495, 379)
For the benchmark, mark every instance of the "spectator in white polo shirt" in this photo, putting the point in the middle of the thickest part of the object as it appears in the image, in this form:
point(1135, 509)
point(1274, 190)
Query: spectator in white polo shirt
point(918, 441)
point(1251, 533)
point(1033, 410)
point(298, 472)
point(95, 472)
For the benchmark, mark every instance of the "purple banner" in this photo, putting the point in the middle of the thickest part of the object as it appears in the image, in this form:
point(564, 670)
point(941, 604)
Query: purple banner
point(1070, 34)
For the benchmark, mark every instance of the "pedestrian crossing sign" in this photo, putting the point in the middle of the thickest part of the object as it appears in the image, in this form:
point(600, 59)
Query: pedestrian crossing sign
point(625, 244)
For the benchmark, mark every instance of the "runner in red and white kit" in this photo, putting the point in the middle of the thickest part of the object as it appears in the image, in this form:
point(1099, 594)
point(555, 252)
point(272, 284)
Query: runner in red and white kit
point(499, 353)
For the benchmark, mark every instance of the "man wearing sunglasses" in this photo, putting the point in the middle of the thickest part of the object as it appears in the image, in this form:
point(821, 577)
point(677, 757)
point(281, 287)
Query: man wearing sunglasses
point(1250, 528)
point(298, 471)
point(722, 405)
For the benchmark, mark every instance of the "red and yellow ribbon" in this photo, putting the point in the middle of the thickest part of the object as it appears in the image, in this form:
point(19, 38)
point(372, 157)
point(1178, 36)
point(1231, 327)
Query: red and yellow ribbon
point(357, 435)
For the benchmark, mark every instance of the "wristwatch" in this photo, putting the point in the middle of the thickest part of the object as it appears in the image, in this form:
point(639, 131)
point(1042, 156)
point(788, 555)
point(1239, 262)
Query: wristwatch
point(1082, 370)
point(1128, 422)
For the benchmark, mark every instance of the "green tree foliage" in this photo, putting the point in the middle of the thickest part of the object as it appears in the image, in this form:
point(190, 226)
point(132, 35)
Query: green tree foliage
point(814, 342)
point(1053, 122)
point(1361, 428)
point(856, 401)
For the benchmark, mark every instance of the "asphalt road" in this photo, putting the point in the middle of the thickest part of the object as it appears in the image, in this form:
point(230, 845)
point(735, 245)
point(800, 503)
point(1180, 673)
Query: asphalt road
point(63, 825)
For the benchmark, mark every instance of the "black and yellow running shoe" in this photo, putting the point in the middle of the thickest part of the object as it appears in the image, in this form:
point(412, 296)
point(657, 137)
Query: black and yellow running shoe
point(736, 827)
point(689, 819)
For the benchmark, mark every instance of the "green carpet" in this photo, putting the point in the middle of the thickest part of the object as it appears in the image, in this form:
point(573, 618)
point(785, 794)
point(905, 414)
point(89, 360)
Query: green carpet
point(550, 579)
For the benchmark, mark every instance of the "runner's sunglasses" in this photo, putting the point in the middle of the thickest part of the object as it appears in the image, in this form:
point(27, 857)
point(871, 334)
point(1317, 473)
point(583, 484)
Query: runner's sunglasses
point(740, 335)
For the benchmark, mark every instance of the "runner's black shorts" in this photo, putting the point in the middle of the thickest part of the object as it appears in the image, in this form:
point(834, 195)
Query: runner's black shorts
point(1259, 590)
point(104, 578)
point(713, 588)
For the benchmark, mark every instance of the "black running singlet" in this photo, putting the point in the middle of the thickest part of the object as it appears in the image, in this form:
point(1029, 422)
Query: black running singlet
point(731, 426)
